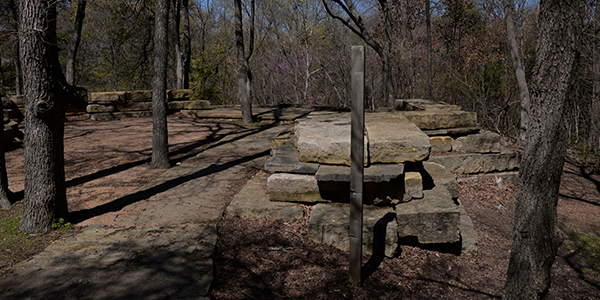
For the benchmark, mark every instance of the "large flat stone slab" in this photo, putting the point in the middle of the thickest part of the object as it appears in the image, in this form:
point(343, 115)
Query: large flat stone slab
point(285, 159)
point(325, 139)
point(442, 177)
point(287, 187)
point(471, 163)
point(435, 219)
point(439, 119)
point(374, 173)
point(393, 139)
point(468, 235)
point(253, 202)
point(329, 224)
point(482, 142)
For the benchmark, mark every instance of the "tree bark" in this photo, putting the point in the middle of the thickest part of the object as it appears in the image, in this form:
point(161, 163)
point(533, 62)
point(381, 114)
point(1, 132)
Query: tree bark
point(178, 56)
point(243, 65)
point(79, 17)
point(14, 13)
point(5, 193)
point(45, 93)
point(511, 33)
point(186, 43)
point(429, 64)
point(536, 236)
point(160, 143)
point(595, 115)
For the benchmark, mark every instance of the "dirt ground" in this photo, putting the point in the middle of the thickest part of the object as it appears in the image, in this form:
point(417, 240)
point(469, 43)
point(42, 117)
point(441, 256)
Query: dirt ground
point(260, 259)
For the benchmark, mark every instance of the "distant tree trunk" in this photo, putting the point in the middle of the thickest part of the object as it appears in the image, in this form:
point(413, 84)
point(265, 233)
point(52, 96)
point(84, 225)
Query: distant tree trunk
point(429, 64)
point(5, 193)
point(536, 236)
point(355, 23)
point(595, 114)
point(186, 43)
point(160, 142)
point(70, 69)
point(243, 64)
point(17, 69)
point(44, 84)
point(178, 57)
point(511, 33)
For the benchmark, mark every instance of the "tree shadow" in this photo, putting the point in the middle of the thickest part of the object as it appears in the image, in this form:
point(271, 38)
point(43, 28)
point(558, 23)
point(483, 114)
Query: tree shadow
point(118, 204)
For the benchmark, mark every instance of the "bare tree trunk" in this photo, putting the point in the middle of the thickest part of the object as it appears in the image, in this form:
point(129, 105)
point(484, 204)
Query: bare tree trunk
point(595, 113)
point(536, 236)
point(44, 84)
point(178, 56)
point(70, 68)
point(387, 68)
point(17, 69)
point(429, 64)
point(243, 65)
point(160, 142)
point(186, 43)
point(5, 193)
point(511, 33)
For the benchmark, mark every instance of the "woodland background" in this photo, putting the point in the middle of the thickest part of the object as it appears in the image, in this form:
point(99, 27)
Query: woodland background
point(301, 55)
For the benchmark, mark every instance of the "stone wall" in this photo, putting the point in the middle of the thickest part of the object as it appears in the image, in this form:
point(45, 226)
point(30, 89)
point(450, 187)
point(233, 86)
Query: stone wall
point(115, 105)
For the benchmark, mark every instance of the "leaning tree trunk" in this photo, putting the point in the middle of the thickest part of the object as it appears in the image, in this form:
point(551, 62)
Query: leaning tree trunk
point(595, 113)
point(244, 75)
point(536, 236)
point(511, 33)
point(4, 191)
point(80, 15)
point(45, 194)
point(160, 143)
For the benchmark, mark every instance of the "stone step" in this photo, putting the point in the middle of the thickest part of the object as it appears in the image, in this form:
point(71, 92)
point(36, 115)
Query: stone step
point(329, 224)
point(470, 163)
point(285, 159)
point(253, 202)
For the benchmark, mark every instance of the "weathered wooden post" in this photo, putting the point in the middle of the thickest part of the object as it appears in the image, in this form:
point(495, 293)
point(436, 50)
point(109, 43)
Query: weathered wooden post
point(357, 162)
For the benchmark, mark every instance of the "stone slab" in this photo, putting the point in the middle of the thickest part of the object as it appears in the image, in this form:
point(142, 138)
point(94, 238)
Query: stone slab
point(119, 115)
point(440, 119)
point(471, 163)
point(440, 143)
point(100, 108)
point(374, 173)
point(413, 186)
point(253, 202)
point(285, 159)
point(181, 94)
point(287, 187)
point(453, 131)
point(326, 139)
point(392, 139)
point(442, 177)
point(512, 177)
point(139, 95)
point(134, 106)
point(468, 236)
point(435, 219)
point(482, 142)
point(107, 98)
point(422, 104)
point(329, 224)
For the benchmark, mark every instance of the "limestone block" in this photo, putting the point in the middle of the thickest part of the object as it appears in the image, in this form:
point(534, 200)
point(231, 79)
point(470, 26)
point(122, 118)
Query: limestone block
point(196, 104)
point(442, 177)
point(285, 159)
point(329, 224)
point(281, 139)
point(392, 139)
point(134, 106)
point(440, 143)
point(422, 104)
point(181, 94)
point(468, 235)
point(413, 186)
point(140, 95)
point(432, 220)
point(107, 98)
point(374, 173)
point(293, 188)
point(99, 108)
point(439, 119)
point(325, 139)
point(253, 201)
point(470, 163)
point(483, 142)
point(453, 131)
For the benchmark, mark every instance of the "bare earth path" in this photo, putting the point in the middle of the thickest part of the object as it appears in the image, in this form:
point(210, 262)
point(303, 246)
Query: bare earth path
point(149, 234)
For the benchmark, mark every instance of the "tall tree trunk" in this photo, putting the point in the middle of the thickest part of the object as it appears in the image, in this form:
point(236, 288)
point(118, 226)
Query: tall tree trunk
point(176, 30)
point(536, 236)
point(243, 65)
point(160, 142)
point(186, 43)
point(595, 113)
point(511, 33)
point(70, 69)
point(45, 194)
point(5, 193)
point(387, 69)
point(17, 61)
point(429, 64)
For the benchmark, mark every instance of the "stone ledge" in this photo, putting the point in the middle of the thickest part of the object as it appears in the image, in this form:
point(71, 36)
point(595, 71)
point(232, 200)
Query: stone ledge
point(329, 224)
point(470, 163)
point(285, 159)
point(374, 173)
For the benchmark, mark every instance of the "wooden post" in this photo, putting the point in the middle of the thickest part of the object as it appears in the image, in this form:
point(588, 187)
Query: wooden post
point(357, 162)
